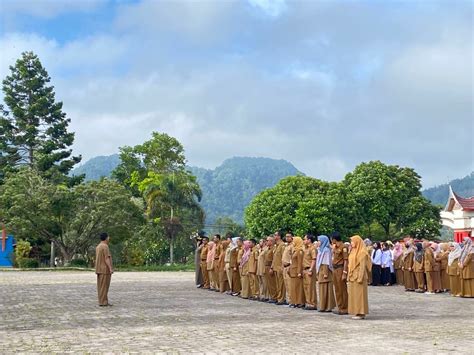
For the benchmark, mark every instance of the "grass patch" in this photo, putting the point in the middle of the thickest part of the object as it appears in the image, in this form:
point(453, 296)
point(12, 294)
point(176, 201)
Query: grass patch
point(174, 267)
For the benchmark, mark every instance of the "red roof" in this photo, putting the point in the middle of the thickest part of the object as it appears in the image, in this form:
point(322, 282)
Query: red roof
point(466, 203)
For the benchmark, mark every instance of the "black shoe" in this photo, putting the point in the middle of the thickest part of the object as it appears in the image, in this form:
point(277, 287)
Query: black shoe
point(272, 301)
point(280, 303)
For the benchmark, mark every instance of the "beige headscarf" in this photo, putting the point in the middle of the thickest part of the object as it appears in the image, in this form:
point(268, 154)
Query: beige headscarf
point(297, 244)
point(358, 253)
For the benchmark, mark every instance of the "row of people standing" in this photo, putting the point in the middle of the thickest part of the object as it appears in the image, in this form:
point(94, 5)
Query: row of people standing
point(299, 272)
point(428, 267)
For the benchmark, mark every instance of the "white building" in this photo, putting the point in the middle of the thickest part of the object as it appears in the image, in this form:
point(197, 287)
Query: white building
point(458, 215)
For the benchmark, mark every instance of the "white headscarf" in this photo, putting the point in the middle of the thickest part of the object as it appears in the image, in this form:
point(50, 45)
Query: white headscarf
point(467, 249)
point(456, 253)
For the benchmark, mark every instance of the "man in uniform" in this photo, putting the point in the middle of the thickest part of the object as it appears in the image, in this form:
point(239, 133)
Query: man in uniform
point(309, 272)
point(286, 260)
point(340, 256)
point(103, 269)
point(203, 248)
point(262, 280)
point(277, 268)
point(253, 260)
point(216, 271)
point(269, 274)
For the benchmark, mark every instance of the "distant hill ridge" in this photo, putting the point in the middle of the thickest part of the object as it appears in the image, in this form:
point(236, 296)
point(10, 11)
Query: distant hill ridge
point(227, 189)
point(439, 194)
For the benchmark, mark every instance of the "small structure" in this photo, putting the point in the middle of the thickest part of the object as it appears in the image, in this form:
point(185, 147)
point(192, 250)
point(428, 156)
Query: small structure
point(458, 215)
point(6, 251)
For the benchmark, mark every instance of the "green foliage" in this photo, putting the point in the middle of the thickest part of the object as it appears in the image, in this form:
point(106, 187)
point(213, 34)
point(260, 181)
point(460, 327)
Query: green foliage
point(71, 217)
point(382, 191)
point(27, 263)
point(155, 170)
point(79, 263)
point(224, 225)
point(33, 131)
point(229, 189)
point(22, 249)
point(375, 199)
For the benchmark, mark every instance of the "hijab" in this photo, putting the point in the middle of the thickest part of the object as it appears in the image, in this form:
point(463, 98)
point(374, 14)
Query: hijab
point(297, 243)
point(211, 254)
point(398, 251)
point(246, 254)
point(233, 243)
point(409, 248)
point(419, 252)
point(455, 254)
point(324, 253)
point(467, 249)
point(357, 255)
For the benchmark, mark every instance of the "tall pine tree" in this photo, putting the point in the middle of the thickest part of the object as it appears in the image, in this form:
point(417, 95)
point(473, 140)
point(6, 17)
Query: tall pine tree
point(33, 127)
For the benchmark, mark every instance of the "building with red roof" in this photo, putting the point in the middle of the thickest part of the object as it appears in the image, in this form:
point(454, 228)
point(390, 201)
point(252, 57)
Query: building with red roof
point(458, 215)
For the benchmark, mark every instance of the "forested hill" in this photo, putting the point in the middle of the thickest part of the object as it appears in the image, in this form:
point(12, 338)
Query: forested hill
point(439, 194)
point(229, 188)
point(98, 167)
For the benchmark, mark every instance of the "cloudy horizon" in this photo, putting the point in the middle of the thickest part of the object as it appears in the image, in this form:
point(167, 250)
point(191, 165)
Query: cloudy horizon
point(325, 85)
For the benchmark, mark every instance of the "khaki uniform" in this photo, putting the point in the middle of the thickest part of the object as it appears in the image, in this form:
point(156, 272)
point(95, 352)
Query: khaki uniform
point(397, 265)
point(408, 276)
point(419, 272)
point(296, 283)
point(454, 278)
point(309, 276)
point(270, 277)
point(253, 262)
point(358, 290)
point(205, 273)
point(234, 265)
point(244, 277)
point(216, 269)
point(227, 268)
point(277, 267)
point(262, 280)
point(326, 294)
point(467, 277)
point(442, 258)
point(286, 261)
point(221, 267)
point(104, 275)
point(430, 272)
point(340, 256)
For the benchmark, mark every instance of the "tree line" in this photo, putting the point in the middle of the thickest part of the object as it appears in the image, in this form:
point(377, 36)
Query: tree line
point(150, 207)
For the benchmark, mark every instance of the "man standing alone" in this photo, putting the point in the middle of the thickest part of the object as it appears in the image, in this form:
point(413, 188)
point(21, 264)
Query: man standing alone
point(103, 269)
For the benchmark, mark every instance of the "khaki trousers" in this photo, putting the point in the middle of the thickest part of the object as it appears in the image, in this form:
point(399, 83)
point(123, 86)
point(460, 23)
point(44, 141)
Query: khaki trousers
point(228, 271)
point(205, 274)
point(286, 279)
point(103, 284)
point(309, 286)
point(297, 290)
point(340, 289)
point(263, 290)
point(271, 284)
point(245, 281)
point(280, 286)
point(253, 285)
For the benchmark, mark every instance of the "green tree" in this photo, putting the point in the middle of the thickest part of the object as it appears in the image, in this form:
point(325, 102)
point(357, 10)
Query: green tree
point(420, 218)
point(276, 208)
point(381, 191)
point(168, 196)
point(224, 225)
point(34, 129)
point(71, 218)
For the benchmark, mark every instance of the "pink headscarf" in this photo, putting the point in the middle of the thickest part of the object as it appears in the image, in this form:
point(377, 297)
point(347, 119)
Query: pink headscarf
point(435, 248)
point(397, 251)
point(246, 255)
point(212, 252)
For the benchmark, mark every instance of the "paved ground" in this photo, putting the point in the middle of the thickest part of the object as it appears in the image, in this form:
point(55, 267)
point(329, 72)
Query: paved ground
point(164, 313)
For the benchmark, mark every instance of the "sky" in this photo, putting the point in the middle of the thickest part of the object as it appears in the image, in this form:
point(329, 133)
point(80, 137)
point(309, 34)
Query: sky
point(324, 84)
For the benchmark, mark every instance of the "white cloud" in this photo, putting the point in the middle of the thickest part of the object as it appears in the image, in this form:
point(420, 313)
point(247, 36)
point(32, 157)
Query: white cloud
point(46, 8)
point(272, 8)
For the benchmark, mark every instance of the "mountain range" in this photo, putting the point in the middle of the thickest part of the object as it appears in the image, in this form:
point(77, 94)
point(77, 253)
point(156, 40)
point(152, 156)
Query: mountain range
point(230, 187)
point(227, 189)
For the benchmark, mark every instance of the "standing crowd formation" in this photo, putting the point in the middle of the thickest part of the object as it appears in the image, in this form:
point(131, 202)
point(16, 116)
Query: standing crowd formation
point(324, 273)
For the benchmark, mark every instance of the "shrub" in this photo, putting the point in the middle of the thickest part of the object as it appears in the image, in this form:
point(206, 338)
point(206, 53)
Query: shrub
point(28, 263)
point(79, 263)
